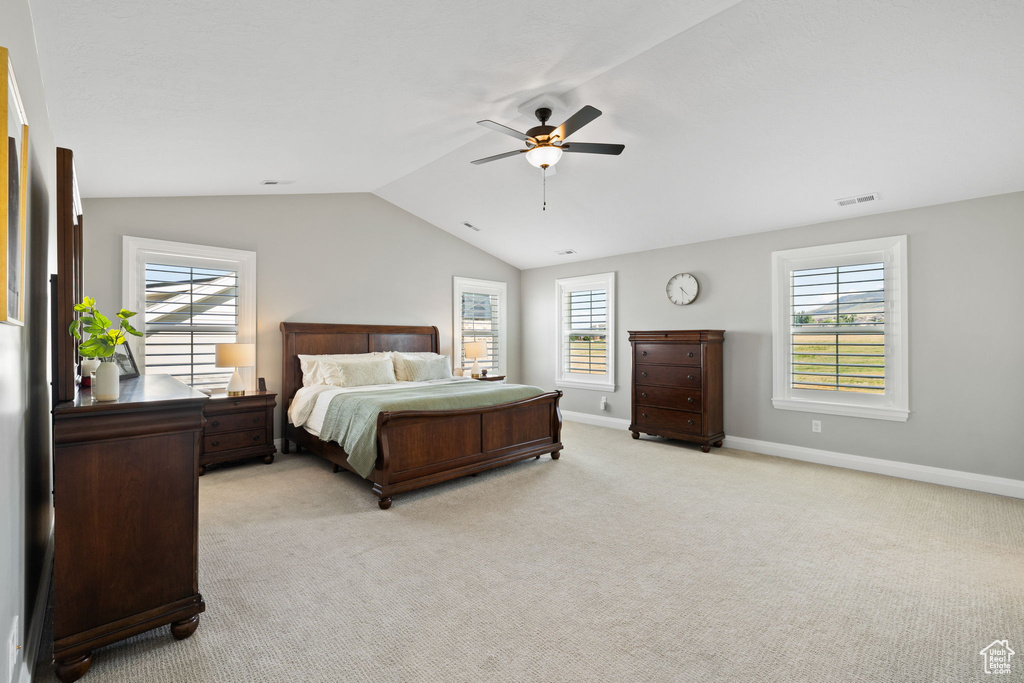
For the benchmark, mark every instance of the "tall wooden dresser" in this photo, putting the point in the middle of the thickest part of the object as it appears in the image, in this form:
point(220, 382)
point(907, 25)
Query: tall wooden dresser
point(126, 514)
point(677, 385)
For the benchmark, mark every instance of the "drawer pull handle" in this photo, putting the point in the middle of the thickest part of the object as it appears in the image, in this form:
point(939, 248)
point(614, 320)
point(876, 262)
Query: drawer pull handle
point(215, 443)
point(255, 437)
point(689, 377)
point(643, 374)
point(689, 399)
point(690, 354)
point(216, 423)
point(238, 402)
point(643, 414)
point(689, 422)
point(643, 353)
point(256, 420)
point(643, 394)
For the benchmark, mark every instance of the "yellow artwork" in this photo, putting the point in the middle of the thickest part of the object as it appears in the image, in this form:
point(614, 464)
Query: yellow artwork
point(14, 196)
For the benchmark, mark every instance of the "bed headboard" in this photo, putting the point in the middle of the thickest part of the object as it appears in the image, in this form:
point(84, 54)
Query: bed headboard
point(321, 338)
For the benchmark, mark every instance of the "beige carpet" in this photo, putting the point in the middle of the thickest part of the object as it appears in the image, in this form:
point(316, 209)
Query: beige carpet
point(623, 561)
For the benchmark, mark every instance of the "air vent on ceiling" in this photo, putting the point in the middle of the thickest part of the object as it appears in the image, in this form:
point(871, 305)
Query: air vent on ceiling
point(566, 252)
point(470, 226)
point(276, 182)
point(850, 201)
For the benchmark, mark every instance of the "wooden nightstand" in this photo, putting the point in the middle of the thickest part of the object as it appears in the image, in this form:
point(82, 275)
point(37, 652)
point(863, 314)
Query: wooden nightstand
point(491, 378)
point(238, 428)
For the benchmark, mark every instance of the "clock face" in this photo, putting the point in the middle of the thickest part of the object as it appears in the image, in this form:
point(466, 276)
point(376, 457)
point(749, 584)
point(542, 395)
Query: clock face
point(682, 289)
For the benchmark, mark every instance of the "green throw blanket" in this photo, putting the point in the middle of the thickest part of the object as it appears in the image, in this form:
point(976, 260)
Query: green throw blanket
point(351, 418)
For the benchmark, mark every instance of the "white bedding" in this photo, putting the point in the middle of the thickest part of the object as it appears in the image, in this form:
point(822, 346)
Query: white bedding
point(309, 406)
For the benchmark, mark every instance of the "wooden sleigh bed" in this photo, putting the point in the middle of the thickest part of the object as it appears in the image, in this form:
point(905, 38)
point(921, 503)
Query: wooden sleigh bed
point(417, 448)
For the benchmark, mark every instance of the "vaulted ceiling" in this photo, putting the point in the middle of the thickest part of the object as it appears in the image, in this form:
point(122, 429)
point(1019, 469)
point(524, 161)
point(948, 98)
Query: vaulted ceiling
point(737, 117)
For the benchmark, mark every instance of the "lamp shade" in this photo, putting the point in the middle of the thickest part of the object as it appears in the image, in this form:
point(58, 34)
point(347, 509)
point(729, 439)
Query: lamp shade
point(477, 349)
point(236, 355)
point(547, 155)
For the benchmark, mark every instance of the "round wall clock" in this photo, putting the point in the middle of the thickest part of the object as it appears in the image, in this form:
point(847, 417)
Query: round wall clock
point(682, 289)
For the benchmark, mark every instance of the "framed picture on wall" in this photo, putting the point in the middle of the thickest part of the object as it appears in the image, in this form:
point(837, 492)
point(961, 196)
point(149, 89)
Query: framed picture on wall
point(13, 194)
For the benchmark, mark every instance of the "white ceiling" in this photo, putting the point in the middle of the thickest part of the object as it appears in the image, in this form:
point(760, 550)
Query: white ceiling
point(756, 119)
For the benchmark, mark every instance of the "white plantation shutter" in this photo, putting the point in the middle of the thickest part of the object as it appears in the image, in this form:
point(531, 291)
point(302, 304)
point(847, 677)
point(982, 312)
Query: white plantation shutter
point(188, 311)
point(480, 315)
point(586, 332)
point(838, 328)
point(840, 339)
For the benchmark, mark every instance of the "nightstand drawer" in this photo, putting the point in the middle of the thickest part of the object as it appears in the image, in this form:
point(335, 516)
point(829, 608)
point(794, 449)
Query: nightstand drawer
point(674, 354)
point(668, 376)
point(668, 397)
point(216, 443)
point(232, 423)
point(688, 423)
point(234, 404)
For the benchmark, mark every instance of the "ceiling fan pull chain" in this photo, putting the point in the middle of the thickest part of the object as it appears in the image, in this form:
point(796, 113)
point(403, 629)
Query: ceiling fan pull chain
point(544, 172)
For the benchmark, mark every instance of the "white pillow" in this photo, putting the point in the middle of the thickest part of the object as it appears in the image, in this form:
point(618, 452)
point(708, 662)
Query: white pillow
point(322, 368)
point(361, 373)
point(421, 367)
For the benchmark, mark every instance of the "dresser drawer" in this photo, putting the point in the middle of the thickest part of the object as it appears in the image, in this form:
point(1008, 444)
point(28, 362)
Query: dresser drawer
point(672, 354)
point(669, 397)
point(668, 376)
point(215, 443)
point(217, 423)
point(688, 423)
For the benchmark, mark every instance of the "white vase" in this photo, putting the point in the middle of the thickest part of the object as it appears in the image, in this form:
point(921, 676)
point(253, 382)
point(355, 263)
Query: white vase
point(106, 386)
point(89, 366)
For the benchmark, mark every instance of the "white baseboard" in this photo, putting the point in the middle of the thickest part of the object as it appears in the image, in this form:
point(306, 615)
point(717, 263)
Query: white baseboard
point(1013, 488)
point(596, 420)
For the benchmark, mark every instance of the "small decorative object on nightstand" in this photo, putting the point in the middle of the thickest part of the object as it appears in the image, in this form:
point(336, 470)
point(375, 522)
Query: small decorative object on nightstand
point(238, 428)
point(235, 356)
point(475, 350)
point(491, 378)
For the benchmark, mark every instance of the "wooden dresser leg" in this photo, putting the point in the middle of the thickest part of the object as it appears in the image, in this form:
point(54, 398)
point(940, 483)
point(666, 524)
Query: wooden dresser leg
point(384, 503)
point(556, 455)
point(183, 629)
point(202, 470)
point(69, 670)
point(636, 435)
point(705, 447)
point(268, 459)
point(717, 444)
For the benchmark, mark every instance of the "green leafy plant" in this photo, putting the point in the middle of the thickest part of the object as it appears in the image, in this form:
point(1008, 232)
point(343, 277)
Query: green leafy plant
point(102, 340)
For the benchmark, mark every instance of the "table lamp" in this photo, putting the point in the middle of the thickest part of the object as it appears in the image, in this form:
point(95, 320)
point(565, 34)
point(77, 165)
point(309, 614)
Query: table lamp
point(236, 356)
point(474, 350)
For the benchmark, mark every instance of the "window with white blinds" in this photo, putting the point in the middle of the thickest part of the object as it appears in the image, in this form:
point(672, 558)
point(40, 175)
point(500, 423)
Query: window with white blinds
point(586, 332)
point(479, 316)
point(188, 311)
point(190, 298)
point(840, 335)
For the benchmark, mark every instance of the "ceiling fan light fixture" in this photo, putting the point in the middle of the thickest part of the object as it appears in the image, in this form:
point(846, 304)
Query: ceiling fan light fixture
point(544, 155)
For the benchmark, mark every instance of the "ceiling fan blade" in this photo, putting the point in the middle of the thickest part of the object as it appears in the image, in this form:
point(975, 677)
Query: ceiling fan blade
point(499, 156)
point(575, 122)
point(494, 125)
point(592, 148)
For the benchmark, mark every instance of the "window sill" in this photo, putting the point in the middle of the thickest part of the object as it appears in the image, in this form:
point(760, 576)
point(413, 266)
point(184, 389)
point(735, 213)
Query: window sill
point(869, 412)
point(576, 384)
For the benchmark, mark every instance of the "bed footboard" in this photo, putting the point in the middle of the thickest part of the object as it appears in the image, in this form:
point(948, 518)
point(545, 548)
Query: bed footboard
point(417, 448)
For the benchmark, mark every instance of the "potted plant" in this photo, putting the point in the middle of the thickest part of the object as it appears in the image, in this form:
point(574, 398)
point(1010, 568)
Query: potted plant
point(101, 344)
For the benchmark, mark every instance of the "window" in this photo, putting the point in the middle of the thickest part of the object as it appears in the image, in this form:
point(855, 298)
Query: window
point(586, 332)
point(840, 334)
point(479, 313)
point(189, 299)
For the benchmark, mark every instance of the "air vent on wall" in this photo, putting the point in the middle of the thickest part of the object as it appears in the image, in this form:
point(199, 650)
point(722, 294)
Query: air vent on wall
point(566, 252)
point(470, 226)
point(850, 201)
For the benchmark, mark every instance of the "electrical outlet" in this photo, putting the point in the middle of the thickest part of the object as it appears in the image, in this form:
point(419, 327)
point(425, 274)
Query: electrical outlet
point(12, 649)
point(604, 403)
point(816, 426)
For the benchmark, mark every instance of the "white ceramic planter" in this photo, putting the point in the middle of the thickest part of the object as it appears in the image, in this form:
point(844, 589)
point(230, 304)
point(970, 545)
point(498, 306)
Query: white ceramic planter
point(106, 386)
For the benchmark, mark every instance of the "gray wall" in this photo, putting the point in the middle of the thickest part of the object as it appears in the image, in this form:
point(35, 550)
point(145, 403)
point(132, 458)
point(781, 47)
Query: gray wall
point(966, 332)
point(340, 258)
point(25, 511)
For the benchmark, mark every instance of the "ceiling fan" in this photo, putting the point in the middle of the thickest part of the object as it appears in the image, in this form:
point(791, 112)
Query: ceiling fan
point(545, 144)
